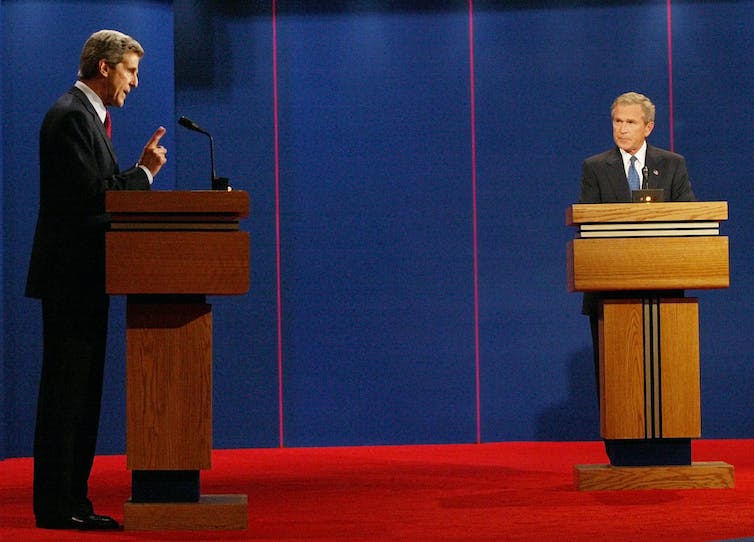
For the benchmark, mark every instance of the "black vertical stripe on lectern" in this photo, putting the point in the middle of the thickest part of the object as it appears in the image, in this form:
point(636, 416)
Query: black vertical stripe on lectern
point(652, 368)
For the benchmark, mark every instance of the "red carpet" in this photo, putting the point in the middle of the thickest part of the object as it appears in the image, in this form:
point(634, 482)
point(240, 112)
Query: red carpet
point(500, 492)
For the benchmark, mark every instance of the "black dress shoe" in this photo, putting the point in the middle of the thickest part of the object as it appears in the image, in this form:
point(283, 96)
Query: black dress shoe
point(84, 522)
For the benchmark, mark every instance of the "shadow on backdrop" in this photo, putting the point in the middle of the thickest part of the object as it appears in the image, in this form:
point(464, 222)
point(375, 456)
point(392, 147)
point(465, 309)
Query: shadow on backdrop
point(577, 417)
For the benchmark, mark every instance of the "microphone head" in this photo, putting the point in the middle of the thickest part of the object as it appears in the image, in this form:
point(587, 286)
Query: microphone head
point(191, 125)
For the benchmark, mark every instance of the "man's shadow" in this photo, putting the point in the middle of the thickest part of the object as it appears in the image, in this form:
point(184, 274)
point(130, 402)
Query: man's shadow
point(577, 417)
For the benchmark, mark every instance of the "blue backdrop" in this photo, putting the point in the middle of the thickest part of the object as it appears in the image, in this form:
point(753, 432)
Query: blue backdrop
point(421, 214)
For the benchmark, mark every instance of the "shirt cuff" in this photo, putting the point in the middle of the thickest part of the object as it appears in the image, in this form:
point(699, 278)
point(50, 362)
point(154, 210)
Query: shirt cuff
point(149, 173)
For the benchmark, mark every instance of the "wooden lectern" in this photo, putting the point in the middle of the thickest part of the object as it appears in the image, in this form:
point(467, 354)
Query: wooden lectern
point(643, 253)
point(166, 251)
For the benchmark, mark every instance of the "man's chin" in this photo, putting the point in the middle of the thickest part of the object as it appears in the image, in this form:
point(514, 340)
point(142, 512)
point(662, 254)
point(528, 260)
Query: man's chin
point(629, 149)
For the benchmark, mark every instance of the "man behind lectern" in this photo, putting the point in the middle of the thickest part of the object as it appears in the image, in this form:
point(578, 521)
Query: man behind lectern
point(609, 177)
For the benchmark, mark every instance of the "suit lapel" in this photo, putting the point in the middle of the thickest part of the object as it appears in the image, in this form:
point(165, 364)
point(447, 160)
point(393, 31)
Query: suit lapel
point(616, 177)
point(655, 167)
point(96, 122)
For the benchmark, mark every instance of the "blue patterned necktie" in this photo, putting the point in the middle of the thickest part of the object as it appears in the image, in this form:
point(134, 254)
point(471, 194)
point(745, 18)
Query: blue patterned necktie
point(633, 175)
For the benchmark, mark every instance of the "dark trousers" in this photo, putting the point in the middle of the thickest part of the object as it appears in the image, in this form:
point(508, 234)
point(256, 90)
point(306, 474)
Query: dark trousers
point(638, 452)
point(68, 406)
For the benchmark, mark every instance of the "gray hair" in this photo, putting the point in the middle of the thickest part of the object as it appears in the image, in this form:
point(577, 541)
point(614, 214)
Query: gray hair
point(634, 98)
point(109, 45)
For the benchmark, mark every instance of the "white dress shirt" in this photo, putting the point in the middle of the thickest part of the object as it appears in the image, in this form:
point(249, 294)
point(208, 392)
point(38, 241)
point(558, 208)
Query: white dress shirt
point(641, 156)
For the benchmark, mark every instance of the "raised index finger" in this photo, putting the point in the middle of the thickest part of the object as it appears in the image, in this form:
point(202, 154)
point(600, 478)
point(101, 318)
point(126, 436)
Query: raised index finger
point(156, 136)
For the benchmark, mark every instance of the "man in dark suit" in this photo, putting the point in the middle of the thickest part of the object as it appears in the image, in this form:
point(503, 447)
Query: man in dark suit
point(67, 272)
point(607, 178)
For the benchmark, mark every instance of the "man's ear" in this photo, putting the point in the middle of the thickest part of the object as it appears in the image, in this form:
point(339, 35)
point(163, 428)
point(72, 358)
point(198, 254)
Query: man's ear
point(104, 67)
point(648, 128)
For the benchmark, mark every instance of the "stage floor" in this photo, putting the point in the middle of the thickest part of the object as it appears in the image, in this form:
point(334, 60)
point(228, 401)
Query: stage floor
point(473, 492)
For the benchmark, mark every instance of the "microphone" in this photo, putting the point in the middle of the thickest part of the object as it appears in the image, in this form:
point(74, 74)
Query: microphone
point(191, 125)
point(217, 182)
point(645, 178)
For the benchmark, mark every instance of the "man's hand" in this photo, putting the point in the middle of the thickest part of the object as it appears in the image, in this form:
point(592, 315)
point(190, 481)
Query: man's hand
point(154, 155)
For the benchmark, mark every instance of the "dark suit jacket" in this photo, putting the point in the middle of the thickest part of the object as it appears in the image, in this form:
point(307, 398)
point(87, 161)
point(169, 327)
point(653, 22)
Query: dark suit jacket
point(603, 180)
point(77, 166)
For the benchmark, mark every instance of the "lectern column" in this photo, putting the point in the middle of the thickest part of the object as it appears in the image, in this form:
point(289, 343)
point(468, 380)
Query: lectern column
point(169, 396)
point(649, 368)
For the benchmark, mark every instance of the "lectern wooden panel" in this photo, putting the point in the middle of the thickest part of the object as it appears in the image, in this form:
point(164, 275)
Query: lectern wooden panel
point(155, 262)
point(622, 371)
point(169, 386)
point(680, 382)
point(177, 243)
point(166, 251)
point(646, 391)
point(678, 212)
point(656, 246)
point(643, 256)
point(648, 263)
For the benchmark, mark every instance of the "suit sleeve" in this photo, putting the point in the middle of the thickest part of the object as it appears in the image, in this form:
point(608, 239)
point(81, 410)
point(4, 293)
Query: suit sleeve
point(681, 186)
point(590, 189)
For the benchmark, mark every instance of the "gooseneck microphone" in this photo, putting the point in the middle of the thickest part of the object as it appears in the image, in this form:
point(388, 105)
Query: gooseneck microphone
point(215, 181)
point(645, 178)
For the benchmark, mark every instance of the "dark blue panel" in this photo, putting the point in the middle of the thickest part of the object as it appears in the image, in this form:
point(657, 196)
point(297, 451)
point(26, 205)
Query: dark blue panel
point(713, 55)
point(545, 79)
point(377, 261)
point(225, 85)
point(28, 31)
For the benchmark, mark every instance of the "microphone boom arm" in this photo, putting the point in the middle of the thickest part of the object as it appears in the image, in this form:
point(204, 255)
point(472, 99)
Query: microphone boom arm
point(191, 125)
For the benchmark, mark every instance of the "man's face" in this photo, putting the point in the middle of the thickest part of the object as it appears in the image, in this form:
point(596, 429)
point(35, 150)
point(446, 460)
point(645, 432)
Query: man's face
point(120, 79)
point(629, 128)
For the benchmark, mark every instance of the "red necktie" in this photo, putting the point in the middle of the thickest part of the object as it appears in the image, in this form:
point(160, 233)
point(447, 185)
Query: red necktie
point(108, 125)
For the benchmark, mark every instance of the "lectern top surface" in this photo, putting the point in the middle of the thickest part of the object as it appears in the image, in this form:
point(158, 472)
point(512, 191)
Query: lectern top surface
point(235, 202)
point(594, 213)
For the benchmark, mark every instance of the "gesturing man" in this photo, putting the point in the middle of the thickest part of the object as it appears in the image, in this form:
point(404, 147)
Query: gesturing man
point(67, 272)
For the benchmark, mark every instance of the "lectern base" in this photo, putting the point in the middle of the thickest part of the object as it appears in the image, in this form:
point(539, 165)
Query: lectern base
point(212, 512)
point(157, 486)
point(701, 475)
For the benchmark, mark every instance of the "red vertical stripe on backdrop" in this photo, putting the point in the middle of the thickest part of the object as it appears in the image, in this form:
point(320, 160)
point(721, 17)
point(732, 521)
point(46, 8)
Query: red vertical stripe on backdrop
point(277, 221)
point(671, 120)
point(474, 224)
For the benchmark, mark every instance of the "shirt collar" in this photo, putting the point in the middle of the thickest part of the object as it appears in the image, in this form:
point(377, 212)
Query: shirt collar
point(95, 100)
point(641, 155)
